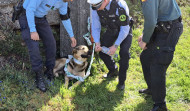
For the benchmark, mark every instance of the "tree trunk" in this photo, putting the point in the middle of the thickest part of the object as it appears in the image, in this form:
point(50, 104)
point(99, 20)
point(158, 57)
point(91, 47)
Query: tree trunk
point(80, 11)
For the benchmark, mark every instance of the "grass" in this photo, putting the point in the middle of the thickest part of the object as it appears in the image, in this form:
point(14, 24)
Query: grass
point(18, 92)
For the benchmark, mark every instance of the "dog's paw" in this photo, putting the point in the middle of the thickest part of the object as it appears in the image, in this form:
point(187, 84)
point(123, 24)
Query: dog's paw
point(56, 74)
point(71, 87)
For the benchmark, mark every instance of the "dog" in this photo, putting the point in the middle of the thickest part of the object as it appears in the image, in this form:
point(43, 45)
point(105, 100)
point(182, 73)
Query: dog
point(76, 66)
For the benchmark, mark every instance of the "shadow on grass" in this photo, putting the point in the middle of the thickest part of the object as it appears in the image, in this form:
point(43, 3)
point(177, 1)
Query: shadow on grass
point(97, 97)
point(145, 105)
point(18, 90)
point(17, 84)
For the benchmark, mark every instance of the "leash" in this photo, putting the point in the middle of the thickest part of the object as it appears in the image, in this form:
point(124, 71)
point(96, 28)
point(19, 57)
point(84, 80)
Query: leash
point(87, 36)
point(91, 61)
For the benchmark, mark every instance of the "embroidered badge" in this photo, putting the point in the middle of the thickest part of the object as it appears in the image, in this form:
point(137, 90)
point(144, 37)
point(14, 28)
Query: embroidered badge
point(122, 18)
point(52, 7)
point(48, 6)
point(143, 0)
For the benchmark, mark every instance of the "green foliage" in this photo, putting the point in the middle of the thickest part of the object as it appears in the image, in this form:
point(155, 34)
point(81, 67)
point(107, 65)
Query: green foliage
point(12, 45)
point(183, 3)
point(136, 13)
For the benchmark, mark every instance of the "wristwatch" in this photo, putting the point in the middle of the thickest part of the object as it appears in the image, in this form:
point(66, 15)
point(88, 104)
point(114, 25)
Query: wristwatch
point(116, 46)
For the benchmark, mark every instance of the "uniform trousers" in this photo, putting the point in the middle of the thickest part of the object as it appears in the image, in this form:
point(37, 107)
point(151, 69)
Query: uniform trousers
point(156, 59)
point(108, 38)
point(49, 43)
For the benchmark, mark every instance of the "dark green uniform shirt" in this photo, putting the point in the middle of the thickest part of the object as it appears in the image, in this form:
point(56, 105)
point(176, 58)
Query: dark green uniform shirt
point(155, 11)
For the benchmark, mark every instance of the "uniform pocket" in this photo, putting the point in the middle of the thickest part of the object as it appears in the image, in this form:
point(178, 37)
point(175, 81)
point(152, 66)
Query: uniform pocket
point(165, 57)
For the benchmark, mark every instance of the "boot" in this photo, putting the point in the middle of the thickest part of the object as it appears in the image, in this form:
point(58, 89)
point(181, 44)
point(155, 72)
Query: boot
point(40, 81)
point(145, 91)
point(49, 74)
point(121, 86)
point(111, 74)
point(160, 107)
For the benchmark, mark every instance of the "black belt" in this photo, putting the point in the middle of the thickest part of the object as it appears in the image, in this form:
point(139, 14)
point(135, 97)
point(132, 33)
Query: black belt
point(177, 20)
point(44, 17)
point(172, 21)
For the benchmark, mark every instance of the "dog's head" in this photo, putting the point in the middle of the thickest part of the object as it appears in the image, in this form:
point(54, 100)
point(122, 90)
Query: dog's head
point(81, 53)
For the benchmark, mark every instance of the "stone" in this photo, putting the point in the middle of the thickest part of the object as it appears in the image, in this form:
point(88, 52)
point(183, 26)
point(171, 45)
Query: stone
point(6, 9)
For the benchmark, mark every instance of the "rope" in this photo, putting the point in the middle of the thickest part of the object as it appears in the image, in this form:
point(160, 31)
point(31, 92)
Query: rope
point(91, 61)
point(87, 36)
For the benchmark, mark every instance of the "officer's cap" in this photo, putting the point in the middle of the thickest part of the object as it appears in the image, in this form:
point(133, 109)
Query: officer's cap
point(96, 4)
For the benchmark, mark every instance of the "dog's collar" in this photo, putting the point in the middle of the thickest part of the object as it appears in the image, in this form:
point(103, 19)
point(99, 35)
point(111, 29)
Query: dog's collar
point(70, 74)
point(77, 61)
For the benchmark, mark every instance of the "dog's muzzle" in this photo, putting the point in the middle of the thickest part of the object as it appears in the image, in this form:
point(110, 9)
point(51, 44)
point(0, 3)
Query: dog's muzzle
point(88, 55)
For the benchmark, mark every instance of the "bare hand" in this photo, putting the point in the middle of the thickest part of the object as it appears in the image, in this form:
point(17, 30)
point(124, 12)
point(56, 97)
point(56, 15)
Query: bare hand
point(73, 42)
point(34, 36)
point(112, 50)
point(98, 48)
point(141, 43)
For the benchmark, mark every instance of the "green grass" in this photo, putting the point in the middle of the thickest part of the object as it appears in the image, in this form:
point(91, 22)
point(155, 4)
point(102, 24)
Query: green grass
point(18, 92)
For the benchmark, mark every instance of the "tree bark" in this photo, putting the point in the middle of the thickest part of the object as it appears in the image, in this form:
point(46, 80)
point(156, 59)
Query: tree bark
point(80, 11)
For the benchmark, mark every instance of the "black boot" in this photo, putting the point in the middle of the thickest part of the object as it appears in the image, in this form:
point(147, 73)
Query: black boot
point(111, 74)
point(121, 86)
point(159, 107)
point(145, 91)
point(49, 74)
point(40, 81)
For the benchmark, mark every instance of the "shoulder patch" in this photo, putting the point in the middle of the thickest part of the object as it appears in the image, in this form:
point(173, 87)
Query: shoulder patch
point(143, 0)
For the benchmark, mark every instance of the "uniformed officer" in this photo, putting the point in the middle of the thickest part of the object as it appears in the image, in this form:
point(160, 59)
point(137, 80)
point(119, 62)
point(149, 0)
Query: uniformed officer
point(34, 27)
point(162, 29)
point(114, 16)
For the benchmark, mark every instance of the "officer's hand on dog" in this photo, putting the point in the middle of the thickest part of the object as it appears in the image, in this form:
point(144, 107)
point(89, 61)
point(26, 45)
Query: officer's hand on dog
point(34, 36)
point(73, 42)
point(112, 50)
point(98, 48)
point(141, 43)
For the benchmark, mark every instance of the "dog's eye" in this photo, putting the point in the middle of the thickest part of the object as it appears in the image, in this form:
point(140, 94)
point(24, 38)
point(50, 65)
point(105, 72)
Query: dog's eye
point(83, 48)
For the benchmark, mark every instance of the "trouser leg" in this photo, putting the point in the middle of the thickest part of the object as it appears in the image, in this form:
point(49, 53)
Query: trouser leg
point(124, 58)
point(158, 85)
point(109, 62)
point(146, 58)
point(45, 33)
point(108, 40)
point(33, 46)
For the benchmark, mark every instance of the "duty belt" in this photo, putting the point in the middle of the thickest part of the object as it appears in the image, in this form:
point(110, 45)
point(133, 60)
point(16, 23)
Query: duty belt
point(174, 21)
point(165, 26)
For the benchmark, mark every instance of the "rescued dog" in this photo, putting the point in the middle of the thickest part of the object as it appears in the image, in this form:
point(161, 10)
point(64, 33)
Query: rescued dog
point(76, 66)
